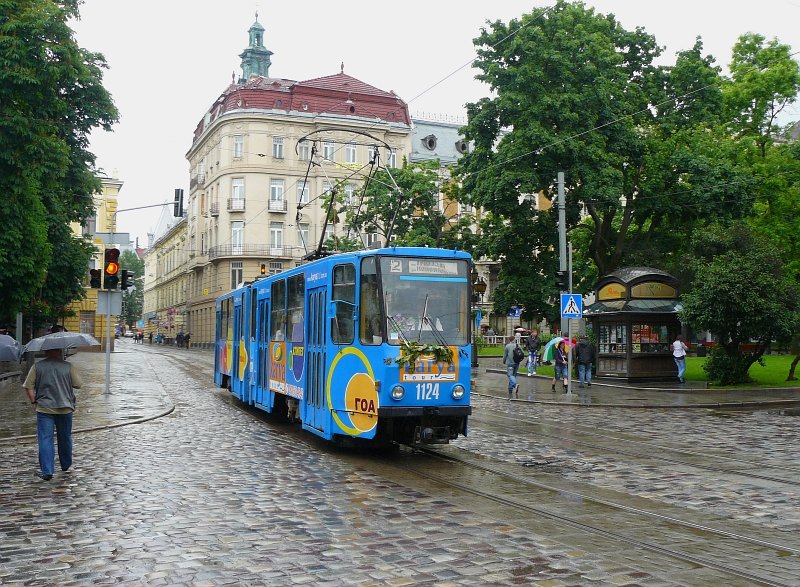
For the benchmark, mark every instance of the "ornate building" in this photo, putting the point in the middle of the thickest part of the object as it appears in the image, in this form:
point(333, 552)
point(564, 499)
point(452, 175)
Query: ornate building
point(253, 199)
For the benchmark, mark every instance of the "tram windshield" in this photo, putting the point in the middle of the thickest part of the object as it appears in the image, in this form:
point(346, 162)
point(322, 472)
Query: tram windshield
point(425, 300)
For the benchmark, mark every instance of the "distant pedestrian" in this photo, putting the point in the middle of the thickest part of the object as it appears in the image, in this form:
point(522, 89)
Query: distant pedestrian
point(49, 386)
point(512, 357)
point(583, 355)
point(186, 338)
point(150, 337)
point(179, 340)
point(679, 349)
point(560, 361)
point(534, 343)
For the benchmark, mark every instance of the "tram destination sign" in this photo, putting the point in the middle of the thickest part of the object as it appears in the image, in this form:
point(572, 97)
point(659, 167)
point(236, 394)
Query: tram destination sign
point(432, 267)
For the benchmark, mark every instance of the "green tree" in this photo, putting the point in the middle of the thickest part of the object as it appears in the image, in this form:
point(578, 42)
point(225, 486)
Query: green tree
point(403, 203)
point(133, 299)
point(757, 302)
point(52, 95)
point(578, 93)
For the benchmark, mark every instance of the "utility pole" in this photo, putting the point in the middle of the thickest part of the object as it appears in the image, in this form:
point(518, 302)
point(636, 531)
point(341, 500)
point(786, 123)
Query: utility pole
point(562, 238)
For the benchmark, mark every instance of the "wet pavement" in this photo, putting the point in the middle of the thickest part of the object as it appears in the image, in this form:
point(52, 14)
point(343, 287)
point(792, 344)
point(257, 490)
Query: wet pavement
point(198, 492)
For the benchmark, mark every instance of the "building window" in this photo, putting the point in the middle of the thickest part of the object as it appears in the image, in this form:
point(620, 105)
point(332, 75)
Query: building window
point(237, 237)
point(371, 152)
point(350, 153)
point(302, 192)
point(277, 147)
point(276, 194)
point(275, 267)
point(302, 235)
point(349, 195)
point(276, 238)
point(328, 232)
point(372, 239)
point(238, 146)
point(391, 158)
point(237, 193)
point(327, 188)
point(237, 274)
point(327, 150)
point(304, 151)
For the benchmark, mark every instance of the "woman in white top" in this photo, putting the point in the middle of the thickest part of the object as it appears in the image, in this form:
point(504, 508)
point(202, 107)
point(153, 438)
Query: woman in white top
point(679, 349)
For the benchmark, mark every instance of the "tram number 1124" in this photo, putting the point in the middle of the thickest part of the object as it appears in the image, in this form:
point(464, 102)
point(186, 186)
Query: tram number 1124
point(427, 391)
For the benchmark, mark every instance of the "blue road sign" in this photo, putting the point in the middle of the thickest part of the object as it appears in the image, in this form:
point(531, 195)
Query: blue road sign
point(571, 305)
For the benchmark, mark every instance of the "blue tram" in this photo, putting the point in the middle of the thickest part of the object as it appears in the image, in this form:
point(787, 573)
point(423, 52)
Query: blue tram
point(370, 345)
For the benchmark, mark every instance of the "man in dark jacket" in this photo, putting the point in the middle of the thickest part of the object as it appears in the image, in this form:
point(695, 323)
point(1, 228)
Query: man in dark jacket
point(534, 344)
point(583, 355)
point(49, 386)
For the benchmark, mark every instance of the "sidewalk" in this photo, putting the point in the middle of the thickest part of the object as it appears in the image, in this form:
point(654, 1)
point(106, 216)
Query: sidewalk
point(135, 395)
point(491, 380)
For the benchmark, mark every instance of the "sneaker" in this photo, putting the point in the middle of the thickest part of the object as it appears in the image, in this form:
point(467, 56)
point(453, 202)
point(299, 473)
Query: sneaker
point(529, 373)
point(42, 476)
point(67, 470)
point(589, 383)
point(554, 388)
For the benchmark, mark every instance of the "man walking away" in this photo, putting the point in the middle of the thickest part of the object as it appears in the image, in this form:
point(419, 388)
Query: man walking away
point(583, 355)
point(534, 343)
point(49, 386)
point(511, 362)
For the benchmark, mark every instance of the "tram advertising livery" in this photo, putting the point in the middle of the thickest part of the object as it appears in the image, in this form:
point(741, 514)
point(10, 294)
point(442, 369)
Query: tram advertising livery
point(371, 345)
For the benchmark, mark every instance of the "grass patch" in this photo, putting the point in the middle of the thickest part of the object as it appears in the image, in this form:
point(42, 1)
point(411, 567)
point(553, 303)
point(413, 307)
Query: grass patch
point(772, 374)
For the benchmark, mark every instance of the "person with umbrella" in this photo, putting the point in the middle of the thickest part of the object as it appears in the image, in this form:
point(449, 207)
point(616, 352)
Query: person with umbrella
point(560, 359)
point(49, 386)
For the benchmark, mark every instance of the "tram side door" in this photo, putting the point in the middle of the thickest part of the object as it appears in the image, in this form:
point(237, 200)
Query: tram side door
point(316, 413)
point(261, 360)
point(239, 352)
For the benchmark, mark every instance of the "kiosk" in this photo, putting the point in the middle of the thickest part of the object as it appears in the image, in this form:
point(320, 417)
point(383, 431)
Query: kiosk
point(635, 321)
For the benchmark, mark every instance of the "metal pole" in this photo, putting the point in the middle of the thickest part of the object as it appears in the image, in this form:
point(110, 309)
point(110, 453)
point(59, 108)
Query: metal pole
point(108, 339)
point(569, 329)
point(562, 234)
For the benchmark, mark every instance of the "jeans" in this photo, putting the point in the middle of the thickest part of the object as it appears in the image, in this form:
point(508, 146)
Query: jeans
point(62, 423)
point(511, 371)
point(560, 372)
point(681, 363)
point(585, 373)
point(533, 360)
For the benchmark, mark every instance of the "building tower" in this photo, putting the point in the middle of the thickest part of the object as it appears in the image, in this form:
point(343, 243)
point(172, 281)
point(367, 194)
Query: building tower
point(256, 58)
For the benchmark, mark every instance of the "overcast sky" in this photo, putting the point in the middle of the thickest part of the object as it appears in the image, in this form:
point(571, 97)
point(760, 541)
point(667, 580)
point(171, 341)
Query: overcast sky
point(170, 59)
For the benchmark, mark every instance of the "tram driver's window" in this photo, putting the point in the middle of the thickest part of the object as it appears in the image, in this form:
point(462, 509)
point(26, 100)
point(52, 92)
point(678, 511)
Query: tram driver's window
point(277, 327)
point(344, 296)
point(370, 323)
point(296, 307)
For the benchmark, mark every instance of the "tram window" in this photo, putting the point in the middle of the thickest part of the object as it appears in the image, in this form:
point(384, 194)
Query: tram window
point(370, 324)
point(278, 315)
point(344, 296)
point(296, 307)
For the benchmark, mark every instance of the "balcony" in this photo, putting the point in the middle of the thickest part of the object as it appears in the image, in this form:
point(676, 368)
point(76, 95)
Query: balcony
point(277, 206)
point(214, 208)
point(236, 205)
point(258, 251)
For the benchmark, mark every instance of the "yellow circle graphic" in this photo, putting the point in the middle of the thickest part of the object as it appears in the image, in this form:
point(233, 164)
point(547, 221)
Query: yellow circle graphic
point(351, 430)
point(361, 400)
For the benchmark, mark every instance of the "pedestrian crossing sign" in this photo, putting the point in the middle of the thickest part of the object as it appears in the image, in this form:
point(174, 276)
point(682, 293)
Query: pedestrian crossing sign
point(571, 305)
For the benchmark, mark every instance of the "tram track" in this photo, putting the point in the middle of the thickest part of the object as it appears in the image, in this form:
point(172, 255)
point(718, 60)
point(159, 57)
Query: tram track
point(638, 520)
point(648, 451)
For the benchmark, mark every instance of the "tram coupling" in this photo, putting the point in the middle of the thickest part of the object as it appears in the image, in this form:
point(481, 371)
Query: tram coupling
point(432, 435)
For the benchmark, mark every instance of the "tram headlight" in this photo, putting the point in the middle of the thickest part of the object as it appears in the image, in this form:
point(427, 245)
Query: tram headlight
point(398, 392)
point(458, 391)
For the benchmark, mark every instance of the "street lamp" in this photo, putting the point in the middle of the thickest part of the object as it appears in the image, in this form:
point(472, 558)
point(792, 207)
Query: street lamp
point(478, 289)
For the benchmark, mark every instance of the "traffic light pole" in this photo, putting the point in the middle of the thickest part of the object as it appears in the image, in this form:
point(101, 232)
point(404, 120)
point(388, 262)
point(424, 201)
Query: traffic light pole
point(108, 345)
point(569, 328)
point(562, 237)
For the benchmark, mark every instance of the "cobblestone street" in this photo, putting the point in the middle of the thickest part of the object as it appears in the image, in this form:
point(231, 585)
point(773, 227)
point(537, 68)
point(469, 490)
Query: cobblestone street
point(206, 494)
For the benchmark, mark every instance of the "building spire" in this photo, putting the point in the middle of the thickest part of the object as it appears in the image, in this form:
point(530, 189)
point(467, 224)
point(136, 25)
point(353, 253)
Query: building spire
point(255, 58)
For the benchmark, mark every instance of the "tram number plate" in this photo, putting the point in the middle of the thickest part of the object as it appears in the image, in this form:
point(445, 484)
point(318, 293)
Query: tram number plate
point(427, 391)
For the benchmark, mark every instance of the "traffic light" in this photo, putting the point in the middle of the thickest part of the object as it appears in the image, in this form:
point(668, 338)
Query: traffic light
point(95, 278)
point(127, 279)
point(177, 210)
point(263, 269)
point(111, 269)
point(562, 281)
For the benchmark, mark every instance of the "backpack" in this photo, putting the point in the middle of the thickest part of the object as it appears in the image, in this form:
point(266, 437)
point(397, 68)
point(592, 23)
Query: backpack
point(518, 354)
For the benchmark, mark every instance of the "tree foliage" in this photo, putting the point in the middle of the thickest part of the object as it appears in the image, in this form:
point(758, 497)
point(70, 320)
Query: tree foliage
point(639, 146)
point(743, 294)
point(52, 95)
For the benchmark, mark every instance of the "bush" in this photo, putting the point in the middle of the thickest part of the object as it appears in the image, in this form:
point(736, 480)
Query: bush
point(725, 369)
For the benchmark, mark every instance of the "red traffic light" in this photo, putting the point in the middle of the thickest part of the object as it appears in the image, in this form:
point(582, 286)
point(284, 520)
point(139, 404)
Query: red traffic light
point(95, 278)
point(263, 269)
